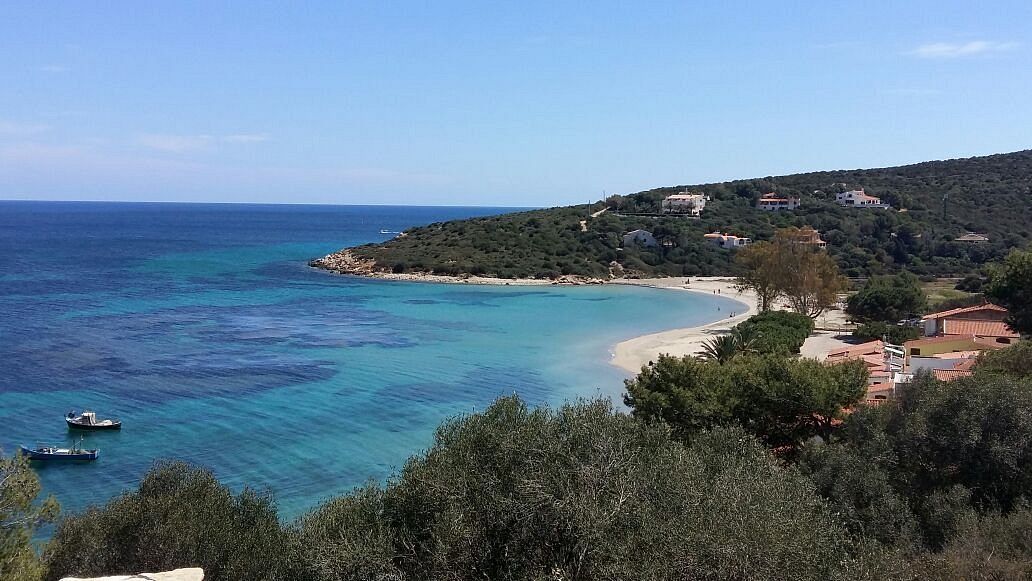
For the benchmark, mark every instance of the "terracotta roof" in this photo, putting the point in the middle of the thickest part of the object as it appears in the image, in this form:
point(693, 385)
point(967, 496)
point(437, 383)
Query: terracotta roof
point(869, 348)
point(934, 340)
point(959, 355)
point(950, 374)
point(979, 328)
point(966, 365)
point(962, 310)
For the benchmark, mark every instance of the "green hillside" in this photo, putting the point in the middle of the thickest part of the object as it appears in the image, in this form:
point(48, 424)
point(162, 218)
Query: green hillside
point(990, 195)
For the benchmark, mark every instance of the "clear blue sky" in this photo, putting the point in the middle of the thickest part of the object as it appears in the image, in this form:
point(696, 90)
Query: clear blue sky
point(487, 103)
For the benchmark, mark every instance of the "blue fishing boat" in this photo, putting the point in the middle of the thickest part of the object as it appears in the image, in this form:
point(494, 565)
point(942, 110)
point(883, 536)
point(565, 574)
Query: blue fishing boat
point(54, 453)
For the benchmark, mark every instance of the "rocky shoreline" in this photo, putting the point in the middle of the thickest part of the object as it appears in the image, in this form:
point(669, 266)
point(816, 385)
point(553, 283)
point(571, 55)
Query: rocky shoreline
point(345, 262)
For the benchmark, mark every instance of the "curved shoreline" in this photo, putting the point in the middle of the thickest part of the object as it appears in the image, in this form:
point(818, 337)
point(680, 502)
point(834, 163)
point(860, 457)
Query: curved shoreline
point(631, 355)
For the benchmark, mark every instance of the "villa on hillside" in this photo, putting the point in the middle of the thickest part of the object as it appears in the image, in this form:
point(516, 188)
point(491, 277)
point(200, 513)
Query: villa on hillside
point(858, 199)
point(772, 203)
point(808, 235)
point(972, 237)
point(727, 241)
point(983, 322)
point(639, 238)
point(685, 203)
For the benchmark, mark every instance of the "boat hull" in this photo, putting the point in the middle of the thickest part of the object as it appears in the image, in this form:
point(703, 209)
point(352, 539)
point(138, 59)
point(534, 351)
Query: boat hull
point(83, 456)
point(73, 425)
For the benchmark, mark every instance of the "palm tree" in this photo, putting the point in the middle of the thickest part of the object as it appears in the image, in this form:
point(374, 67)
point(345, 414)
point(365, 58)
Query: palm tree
point(726, 347)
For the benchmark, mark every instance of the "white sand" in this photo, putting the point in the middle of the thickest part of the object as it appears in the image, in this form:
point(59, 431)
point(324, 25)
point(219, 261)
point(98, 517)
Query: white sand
point(632, 354)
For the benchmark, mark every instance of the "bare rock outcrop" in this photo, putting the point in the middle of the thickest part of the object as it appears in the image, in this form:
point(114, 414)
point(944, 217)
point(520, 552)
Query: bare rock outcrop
point(344, 262)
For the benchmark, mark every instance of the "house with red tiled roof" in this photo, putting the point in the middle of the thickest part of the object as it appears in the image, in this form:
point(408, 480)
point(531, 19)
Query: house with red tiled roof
point(727, 241)
point(807, 235)
point(982, 321)
point(950, 374)
point(884, 364)
point(858, 199)
point(772, 202)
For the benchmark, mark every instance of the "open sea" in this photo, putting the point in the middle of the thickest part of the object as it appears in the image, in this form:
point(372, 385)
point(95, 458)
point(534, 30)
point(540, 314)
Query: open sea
point(203, 329)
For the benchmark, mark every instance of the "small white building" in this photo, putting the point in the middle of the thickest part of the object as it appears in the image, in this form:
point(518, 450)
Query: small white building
point(685, 203)
point(859, 199)
point(772, 202)
point(972, 237)
point(639, 238)
point(727, 241)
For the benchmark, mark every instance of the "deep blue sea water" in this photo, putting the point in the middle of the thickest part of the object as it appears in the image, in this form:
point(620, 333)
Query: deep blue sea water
point(202, 327)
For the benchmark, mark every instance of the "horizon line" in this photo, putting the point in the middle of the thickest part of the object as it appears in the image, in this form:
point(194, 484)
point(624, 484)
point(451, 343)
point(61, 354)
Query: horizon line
point(195, 202)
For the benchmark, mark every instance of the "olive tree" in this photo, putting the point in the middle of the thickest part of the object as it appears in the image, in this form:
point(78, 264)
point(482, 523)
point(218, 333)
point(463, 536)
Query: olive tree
point(20, 514)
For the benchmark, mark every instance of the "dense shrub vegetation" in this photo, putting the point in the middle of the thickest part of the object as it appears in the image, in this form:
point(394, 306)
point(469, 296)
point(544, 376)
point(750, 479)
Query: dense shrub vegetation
point(895, 334)
point(20, 514)
point(887, 299)
point(782, 401)
point(942, 199)
point(777, 332)
point(180, 516)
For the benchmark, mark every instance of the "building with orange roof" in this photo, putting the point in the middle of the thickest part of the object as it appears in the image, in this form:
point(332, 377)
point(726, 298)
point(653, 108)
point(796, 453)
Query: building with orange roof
point(884, 364)
point(772, 202)
point(808, 235)
point(685, 203)
point(950, 374)
point(984, 321)
point(727, 241)
point(859, 199)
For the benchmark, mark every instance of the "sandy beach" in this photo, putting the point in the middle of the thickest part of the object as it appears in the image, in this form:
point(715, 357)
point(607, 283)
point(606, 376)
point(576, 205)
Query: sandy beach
point(632, 354)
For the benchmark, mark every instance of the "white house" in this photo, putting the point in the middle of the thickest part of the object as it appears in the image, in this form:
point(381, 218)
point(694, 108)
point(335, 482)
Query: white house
point(727, 241)
point(639, 238)
point(858, 199)
point(684, 203)
point(973, 237)
point(772, 203)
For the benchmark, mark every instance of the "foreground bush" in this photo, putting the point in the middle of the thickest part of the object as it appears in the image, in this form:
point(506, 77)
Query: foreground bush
point(782, 401)
point(1014, 361)
point(923, 473)
point(577, 493)
point(19, 517)
point(179, 517)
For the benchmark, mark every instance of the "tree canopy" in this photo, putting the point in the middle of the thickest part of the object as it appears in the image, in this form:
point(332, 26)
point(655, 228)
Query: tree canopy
point(20, 514)
point(180, 516)
point(887, 299)
point(777, 332)
point(804, 275)
point(782, 401)
point(1010, 285)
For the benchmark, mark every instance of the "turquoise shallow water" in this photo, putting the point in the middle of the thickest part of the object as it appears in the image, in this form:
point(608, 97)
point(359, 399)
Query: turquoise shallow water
point(204, 330)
